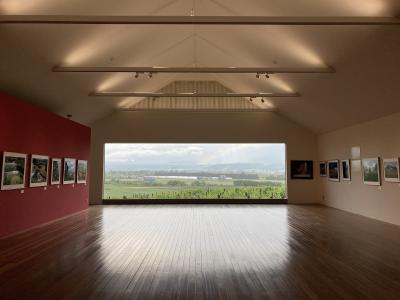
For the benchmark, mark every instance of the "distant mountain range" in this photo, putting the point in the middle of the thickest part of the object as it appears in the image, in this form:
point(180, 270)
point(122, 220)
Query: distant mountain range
point(231, 167)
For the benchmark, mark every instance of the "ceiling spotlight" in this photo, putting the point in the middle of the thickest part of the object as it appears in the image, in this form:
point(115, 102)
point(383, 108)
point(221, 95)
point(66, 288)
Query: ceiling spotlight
point(267, 76)
point(258, 75)
point(150, 75)
point(136, 75)
point(262, 100)
point(251, 99)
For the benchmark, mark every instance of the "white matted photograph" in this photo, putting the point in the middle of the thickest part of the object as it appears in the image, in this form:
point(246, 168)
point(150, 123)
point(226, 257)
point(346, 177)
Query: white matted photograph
point(13, 171)
point(82, 171)
point(371, 171)
point(391, 170)
point(345, 170)
point(333, 170)
point(39, 170)
point(69, 171)
point(56, 171)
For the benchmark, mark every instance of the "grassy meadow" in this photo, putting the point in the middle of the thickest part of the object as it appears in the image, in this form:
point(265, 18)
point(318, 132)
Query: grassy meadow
point(194, 189)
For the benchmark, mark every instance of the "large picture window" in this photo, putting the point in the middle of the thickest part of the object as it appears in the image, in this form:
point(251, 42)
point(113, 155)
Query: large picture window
point(194, 171)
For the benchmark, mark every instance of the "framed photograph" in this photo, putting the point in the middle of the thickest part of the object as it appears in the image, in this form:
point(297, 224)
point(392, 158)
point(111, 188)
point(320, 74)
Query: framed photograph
point(13, 171)
point(333, 170)
point(56, 171)
point(69, 170)
point(82, 171)
point(301, 169)
point(391, 170)
point(39, 170)
point(322, 169)
point(345, 170)
point(371, 171)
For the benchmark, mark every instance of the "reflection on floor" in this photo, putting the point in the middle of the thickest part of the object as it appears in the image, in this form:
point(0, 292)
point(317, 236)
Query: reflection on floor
point(204, 252)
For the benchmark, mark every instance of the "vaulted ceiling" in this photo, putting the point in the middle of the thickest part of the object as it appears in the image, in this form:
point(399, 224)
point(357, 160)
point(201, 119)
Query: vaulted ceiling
point(366, 58)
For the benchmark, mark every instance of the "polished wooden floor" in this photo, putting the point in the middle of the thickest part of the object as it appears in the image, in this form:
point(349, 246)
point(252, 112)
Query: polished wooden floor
point(204, 252)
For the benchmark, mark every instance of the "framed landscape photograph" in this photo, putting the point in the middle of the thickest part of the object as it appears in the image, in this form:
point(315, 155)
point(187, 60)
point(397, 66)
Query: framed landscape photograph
point(371, 171)
point(39, 170)
point(391, 170)
point(13, 171)
point(345, 170)
point(56, 171)
point(82, 171)
point(302, 169)
point(322, 169)
point(333, 170)
point(69, 170)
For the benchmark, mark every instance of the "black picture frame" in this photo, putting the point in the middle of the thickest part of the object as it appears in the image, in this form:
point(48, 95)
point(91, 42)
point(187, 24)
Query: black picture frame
point(302, 169)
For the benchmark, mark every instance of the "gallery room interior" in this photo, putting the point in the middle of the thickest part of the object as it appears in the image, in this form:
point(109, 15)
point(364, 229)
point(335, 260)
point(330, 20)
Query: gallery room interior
point(199, 149)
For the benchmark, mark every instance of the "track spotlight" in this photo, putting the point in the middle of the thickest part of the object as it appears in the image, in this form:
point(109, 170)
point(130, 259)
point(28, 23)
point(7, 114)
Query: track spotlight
point(251, 99)
point(258, 75)
point(150, 75)
point(137, 75)
point(267, 76)
point(262, 100)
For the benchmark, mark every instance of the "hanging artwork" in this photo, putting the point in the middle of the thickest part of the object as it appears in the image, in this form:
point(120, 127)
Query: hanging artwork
point(391, 170)
point(69, 170)
point(301, 169)
point(39, 170)
point(371, 171)
point(345, 170)
point(333, 170)
point(56, 171)
point(13, 171)
point(322, 169)
point(82, 171)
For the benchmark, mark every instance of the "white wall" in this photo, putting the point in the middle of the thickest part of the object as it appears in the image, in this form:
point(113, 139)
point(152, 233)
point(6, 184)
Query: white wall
point(376, 138)
point(222, 127)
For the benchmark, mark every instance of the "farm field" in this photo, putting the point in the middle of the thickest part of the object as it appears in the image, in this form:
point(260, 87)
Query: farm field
point(195, 190)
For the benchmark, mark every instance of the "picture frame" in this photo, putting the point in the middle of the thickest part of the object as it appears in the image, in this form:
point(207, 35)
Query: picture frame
point(13, 171)
point(39, 172)
point(345, 170)
point(81, 175)
point(302, 169)
point(69, 173)
point(334, 170)
point(323, 169)
point(391, 169)
point(56, 167)
point(371, 171)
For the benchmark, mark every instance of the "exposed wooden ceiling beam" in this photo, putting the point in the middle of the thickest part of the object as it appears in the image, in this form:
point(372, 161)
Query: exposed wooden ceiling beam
point(193, 95)
point(227, 70)
point(197, 20)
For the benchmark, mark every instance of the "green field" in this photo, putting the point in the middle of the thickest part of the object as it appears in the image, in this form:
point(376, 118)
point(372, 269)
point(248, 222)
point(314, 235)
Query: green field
point(189, 189)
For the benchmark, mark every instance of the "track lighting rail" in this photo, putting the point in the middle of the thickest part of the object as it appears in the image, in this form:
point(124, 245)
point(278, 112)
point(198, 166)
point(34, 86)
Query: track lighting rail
point(218, 70)
point(196, 20)
point(193, 95)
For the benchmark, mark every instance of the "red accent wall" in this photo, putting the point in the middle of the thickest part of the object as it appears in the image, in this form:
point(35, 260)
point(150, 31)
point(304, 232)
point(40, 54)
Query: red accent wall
point(25, 128)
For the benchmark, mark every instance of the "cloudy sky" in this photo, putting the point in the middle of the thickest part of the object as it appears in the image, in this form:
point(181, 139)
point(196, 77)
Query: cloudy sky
point(196, 154)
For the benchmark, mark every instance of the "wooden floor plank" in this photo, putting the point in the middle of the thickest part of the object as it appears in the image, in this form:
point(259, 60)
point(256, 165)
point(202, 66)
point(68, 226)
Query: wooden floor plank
point(204, 252)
